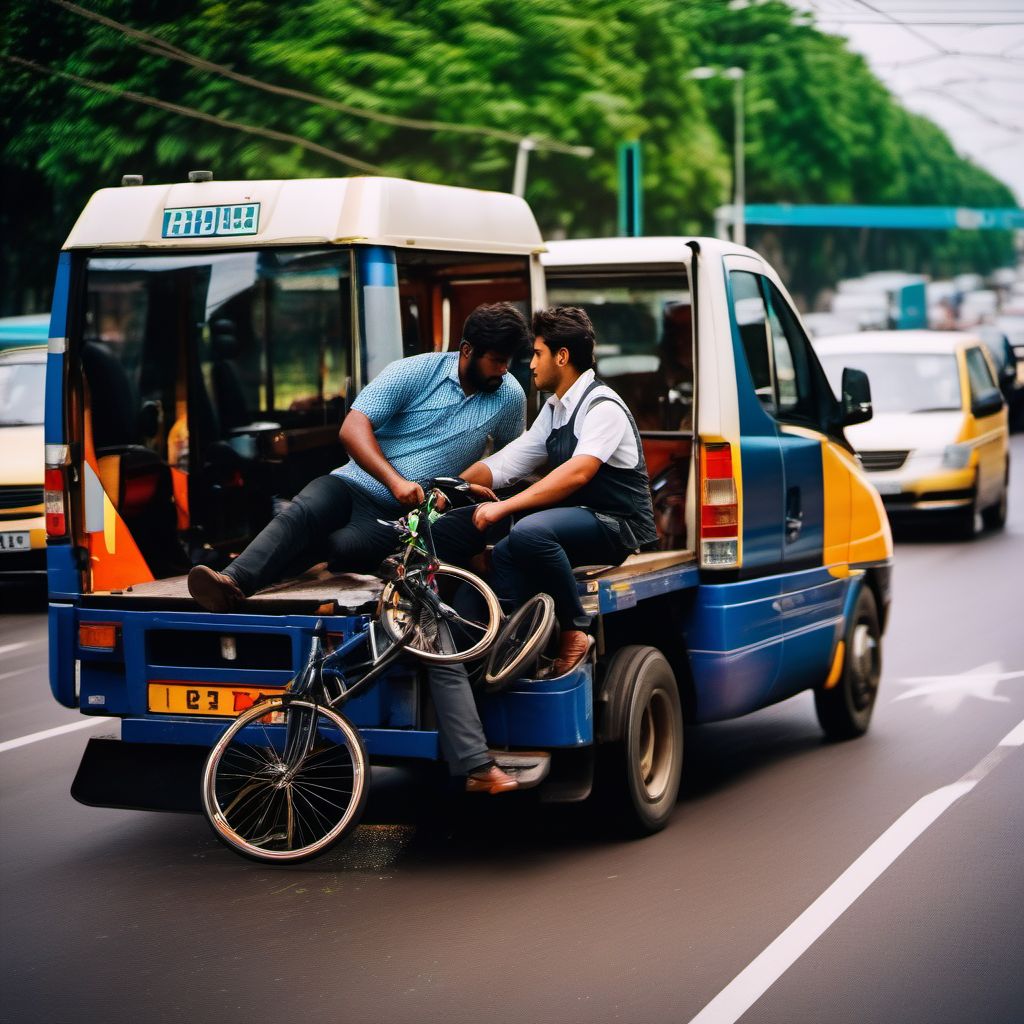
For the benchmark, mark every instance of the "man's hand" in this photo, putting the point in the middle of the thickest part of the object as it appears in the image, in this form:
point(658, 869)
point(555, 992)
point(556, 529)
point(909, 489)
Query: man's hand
point(488, 514)
point(482, 493)
point(407, 493)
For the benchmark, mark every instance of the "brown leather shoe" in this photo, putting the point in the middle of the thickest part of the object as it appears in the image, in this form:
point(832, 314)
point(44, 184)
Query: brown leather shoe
point(213, 590)
point(573, 646)
point(490, 780)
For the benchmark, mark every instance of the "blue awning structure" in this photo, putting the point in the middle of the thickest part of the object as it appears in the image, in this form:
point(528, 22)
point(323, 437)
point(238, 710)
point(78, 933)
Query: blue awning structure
point(940, 218)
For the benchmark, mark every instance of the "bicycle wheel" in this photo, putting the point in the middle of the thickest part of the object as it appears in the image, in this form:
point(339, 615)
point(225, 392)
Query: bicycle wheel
point(455, 614)
point(519, 644)
point(288, 779)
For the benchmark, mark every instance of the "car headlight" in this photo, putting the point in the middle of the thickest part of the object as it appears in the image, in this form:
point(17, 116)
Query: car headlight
point(957, 456)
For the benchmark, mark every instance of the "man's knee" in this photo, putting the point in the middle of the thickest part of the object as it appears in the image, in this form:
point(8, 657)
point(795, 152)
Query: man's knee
point(526, 539)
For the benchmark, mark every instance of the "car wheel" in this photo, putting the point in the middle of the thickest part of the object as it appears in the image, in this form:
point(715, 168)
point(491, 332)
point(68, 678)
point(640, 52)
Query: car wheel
point(844, 709)
point(639, 773)
point(994, 517)
point(964, 521)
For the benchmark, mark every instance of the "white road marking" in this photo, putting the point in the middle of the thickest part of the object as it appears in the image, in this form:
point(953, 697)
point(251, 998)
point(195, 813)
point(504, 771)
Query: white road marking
point(46, 734)
point(18, 671)
point(945, 694)
point(754, 980)
point(7, 648)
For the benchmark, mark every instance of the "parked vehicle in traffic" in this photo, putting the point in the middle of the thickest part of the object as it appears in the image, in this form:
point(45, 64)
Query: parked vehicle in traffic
point(208, 338)
point(22, 526)
point(938, 444)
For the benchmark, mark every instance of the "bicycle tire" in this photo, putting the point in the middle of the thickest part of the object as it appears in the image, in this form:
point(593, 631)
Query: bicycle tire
point(519, 643)
point(428, 637)
point(260, 814)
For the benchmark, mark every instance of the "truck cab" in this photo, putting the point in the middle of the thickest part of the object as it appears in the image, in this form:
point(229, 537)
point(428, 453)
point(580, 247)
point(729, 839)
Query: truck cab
point(750, 466)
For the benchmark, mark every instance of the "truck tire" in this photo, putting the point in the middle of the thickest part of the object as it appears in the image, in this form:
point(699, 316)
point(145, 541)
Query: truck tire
point(640, 770)
point(844, 710)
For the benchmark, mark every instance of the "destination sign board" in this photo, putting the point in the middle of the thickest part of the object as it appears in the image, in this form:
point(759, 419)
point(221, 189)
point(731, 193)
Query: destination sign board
point(211, 221)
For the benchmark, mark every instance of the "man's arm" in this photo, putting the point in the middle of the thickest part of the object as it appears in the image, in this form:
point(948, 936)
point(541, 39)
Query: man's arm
point(357, 437)
point(550, 490)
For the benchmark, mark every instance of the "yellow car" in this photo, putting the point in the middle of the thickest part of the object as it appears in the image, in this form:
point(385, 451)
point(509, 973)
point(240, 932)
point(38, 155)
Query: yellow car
point(22, 522)
point(938, 444)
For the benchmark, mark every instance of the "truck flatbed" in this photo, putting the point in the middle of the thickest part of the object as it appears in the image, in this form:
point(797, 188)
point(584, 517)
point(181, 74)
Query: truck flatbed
point(318, 591)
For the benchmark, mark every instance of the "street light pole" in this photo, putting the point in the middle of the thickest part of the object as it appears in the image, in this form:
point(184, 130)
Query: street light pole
point(739, 224)
point(527, 146)
point(522, 160)
point(739, 231)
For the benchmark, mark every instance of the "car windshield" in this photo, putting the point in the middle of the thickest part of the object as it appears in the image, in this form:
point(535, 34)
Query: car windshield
point(901, 381)
point(21, 394)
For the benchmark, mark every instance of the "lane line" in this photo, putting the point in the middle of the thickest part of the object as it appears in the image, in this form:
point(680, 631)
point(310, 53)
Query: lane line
point(7, 648)
point(18, 672)
point(754, 980)
point(46, 734)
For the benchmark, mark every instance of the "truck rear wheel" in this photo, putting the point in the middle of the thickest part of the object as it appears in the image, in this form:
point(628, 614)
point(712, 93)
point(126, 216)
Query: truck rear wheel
point(639, 771)
point(844, 710)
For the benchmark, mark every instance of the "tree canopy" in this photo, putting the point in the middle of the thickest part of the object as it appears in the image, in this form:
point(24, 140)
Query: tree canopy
point(820, 127)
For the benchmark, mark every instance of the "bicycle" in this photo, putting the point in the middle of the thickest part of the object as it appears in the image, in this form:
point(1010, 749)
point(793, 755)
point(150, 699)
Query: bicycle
point(289, 777)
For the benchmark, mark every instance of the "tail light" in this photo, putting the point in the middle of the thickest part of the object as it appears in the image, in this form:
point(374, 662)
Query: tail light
point(55, 491)
point(97, 636)
point(719, 508)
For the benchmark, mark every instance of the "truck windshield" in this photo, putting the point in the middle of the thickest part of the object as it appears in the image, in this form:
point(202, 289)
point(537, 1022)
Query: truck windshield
point(644, 341)
point(21, 394)
point(901, 381)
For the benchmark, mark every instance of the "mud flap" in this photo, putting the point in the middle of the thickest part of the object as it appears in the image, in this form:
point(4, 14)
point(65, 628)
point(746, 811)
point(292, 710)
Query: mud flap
point(140, 776)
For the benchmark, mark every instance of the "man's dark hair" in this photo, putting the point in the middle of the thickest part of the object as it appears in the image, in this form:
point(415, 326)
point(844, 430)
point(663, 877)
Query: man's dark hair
point(570, 328)
point(496, 327)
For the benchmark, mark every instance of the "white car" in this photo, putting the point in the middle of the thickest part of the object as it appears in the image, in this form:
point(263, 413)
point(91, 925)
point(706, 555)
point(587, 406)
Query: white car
point(938, 443)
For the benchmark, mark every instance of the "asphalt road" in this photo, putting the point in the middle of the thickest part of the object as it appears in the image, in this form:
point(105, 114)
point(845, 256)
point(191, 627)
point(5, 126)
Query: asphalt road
point(798, 880)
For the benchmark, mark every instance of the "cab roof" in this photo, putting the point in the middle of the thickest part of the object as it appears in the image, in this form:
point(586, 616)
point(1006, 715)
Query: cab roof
point(371, 210)
point(646, 251)
point(906, 342)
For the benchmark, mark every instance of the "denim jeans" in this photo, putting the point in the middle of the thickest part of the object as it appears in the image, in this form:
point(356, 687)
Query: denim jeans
point(537, 555)
point(329, 519)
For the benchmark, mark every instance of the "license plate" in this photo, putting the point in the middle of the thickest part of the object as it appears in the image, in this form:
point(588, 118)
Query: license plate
point(166, 698)
point(15, 541)
point(888, 487)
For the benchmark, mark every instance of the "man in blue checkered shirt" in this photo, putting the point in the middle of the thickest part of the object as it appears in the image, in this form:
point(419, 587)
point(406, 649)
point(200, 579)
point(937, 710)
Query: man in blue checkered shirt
point(422, 417)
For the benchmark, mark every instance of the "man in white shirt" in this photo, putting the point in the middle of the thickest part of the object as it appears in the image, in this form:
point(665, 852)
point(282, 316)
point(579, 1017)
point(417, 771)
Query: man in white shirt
point(593, 507)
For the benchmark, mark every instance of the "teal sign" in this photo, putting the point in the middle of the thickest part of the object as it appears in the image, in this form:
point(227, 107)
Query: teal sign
point(211, 221)
point(940, 218)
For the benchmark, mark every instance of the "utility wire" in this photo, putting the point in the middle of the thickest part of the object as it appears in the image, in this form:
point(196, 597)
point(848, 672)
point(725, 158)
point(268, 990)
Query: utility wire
point(198, 115)
point(154, 44)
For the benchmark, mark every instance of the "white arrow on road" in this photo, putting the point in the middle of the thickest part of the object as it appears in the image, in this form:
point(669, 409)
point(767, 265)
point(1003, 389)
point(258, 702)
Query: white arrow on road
point(945, 694)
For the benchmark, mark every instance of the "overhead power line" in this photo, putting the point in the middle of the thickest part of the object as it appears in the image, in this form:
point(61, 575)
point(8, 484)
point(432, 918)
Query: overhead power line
point(198, 115)
point(154, 44)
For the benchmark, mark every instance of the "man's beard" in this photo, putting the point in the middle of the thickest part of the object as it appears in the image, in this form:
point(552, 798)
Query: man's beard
point(481, 383)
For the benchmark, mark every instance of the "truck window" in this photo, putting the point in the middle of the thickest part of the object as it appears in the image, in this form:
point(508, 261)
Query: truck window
point(752, 320)
point(644, 328)
point(787, 377)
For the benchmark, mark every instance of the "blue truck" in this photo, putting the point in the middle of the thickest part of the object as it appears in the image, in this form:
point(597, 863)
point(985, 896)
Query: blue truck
point(205, 341)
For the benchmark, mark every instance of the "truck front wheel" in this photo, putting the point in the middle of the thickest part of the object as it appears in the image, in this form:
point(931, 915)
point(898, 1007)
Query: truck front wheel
point(640, 770)
point(844, 710)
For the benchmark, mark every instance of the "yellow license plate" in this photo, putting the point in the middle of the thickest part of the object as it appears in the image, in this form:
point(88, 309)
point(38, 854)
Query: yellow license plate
point(176, 698)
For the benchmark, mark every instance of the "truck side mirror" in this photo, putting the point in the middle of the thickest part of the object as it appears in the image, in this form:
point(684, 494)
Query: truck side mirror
point(856, 397)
